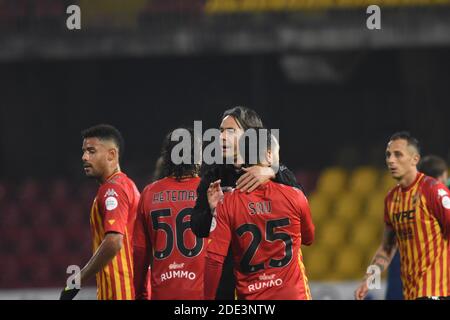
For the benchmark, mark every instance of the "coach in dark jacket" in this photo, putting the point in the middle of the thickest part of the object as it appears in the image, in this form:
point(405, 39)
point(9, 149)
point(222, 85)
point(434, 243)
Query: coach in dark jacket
point(234, 122)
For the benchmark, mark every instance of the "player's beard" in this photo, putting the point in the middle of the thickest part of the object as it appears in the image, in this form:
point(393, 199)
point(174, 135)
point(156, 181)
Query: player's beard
point(91, 173)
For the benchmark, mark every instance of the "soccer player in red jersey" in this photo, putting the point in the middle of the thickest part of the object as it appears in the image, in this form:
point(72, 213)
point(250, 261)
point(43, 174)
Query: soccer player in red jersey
point(417, 222)
point(265, 229)
point(163, 233)
point(112, 219)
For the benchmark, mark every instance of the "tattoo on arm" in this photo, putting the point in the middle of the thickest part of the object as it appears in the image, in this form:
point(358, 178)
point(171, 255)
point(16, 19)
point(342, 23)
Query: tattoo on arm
point(389, 241)
point(381, 261)
point(385, 253)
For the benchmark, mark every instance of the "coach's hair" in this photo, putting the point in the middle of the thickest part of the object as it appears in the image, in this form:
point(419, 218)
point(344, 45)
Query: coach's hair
point(168, 168)
point(245, 117)
point(105, 132)
point(405, 135)
point(433, 166)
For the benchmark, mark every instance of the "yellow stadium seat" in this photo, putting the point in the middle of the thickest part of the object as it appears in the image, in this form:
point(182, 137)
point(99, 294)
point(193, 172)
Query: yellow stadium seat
point(331, 234)
point(363, 180)
point(348, 207)
point(387, 182)
point(370, 251)
point(375, 207)
point(317, 261)
point(332, 181)
point(320, 207)
point(349, 264)
point(116, 13)
point(364, 234)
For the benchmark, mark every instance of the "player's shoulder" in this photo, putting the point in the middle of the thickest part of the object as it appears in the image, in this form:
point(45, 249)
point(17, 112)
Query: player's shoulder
point(232, 195)
point(194, 181)
point(117, 184)
point(169, 182)
point(289, 191)
point(232, 198)
point(156, 186)
point(431, 185)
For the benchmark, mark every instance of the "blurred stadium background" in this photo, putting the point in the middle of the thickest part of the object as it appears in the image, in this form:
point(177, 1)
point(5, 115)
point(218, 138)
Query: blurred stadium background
point(334, 88)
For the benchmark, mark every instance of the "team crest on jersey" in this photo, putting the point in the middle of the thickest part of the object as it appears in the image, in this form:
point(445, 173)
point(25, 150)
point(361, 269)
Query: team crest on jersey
point(446, 202)
point(213, 224)
point(111, 203)
point(110, 193)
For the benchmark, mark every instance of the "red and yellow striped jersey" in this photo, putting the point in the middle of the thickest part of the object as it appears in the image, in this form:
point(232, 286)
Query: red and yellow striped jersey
point(420, 217)
point(114, 210)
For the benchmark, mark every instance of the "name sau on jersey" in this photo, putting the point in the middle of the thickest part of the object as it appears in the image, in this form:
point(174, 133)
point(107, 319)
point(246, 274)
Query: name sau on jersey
point(261, 207)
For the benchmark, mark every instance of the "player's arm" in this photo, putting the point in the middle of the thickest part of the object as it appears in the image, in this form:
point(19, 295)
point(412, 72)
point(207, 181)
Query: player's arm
point(108, 249)
point(141, 253)
point(201, 213)
point(306, 222)
point(219, 243)
point(213, 272)
point(382, 258)
point(438, 200)
point(114, 207)
point(256, 175)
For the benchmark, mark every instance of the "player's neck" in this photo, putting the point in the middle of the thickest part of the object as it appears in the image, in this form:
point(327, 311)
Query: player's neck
point(408, 179)
point(109, 173)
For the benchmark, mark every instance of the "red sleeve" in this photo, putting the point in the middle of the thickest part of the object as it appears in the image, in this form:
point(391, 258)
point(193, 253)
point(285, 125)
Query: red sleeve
point(220, 235)
point(387, 220)
point(306, 223)
point(141, 262)
point(438, 202)
point(114, 206)
point(141, 250)
point(213, 272)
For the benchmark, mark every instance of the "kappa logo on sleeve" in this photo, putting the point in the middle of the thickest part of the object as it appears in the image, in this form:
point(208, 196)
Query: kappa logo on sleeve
point(110, 193)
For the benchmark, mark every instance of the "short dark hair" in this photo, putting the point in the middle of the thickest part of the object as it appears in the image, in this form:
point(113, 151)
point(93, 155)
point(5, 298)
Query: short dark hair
point(433, 166)
point(405, 135)
point(105, 132)
point(168, 168)
point(261, 148)
point(245, 117)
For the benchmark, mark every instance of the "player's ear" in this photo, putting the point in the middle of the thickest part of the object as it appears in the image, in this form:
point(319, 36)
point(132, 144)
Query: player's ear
point(416, 159)
point(113, 154)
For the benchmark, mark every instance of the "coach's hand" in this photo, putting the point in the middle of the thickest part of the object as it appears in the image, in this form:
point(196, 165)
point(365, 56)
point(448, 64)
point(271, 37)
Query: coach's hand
point(254, 177)
point(361, 291)
point(215, 194)
point(68, 294)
